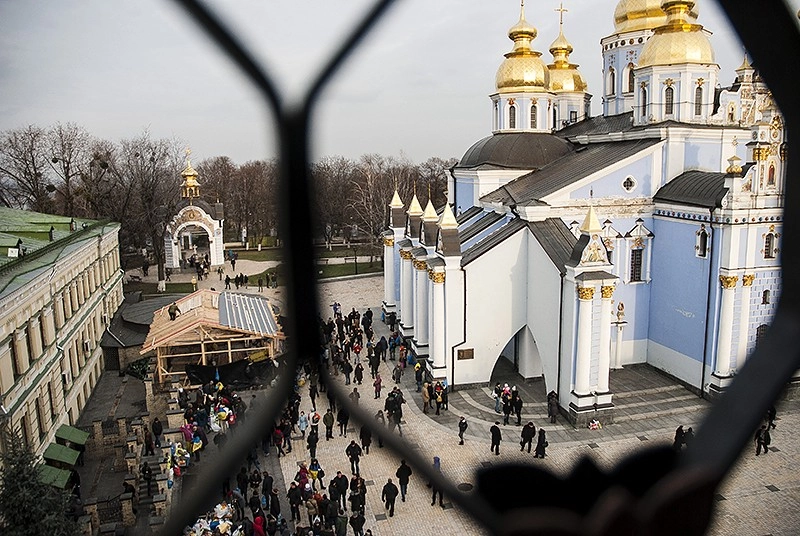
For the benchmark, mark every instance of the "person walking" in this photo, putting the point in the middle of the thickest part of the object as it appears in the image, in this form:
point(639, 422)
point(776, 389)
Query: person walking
point(496, 393)
point(518, 409)
point(397, 373)
point(366, 438)
point(342, 418)
point(541, 444)
point(354, 452)
point(496, 438)
point(552, 406)
point(147, 475)
point(426, 397)
point(435, 490)
point(772, 413)
point(527, 435)
point(338, 488)
point(381, 421)
point(302, 423)
point(462, 427)
point(295, 497)
point(389, 495)
point(403, 475)
point(357, 521)
point(377, 385)
point(312, 441)
point(762, 439)
point(506, 409)
point(158, 429)
point(680, 439)
point(355, 396)
point(328, 420)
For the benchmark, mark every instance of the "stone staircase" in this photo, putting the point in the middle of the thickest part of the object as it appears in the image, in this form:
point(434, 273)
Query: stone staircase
point(654, 402)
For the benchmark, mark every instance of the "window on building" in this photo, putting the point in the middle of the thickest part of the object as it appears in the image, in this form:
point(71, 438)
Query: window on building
point(629, 183)
point(765, 297)
point(698, 101)
point(702, 242)
point(771, 175)
point(669, 101)
point(25, 431)
point(769, 246)
point(644, 102)
point(573, 116)
point(533, 116)
point(612, 81)
point(14, 361)
point(761, 332)
point(636, 265)
point(512, 117)
point(631, 78)
point(40, 419)
point(50, 404)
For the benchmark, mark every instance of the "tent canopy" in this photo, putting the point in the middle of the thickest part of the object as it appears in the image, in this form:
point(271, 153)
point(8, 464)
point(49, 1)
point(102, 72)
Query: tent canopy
point(72, 434)
point(60, 453)
point(58, 478)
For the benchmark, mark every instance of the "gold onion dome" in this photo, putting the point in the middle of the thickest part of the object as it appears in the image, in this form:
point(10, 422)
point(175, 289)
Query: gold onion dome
point(189, 174)
point(564, 76)
point(523, 67)
point(634, 15)
point(678, 41)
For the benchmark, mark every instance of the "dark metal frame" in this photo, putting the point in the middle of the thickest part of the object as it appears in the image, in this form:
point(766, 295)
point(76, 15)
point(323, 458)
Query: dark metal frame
point(652, 492)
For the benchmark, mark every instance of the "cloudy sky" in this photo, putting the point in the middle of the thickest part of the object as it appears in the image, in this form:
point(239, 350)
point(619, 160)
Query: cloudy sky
point(417, 87)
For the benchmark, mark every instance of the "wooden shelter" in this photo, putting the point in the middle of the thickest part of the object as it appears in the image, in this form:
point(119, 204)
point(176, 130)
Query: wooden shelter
point(212, 328)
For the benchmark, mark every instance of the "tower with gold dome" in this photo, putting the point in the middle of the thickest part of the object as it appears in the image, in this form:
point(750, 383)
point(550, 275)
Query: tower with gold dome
point(571, 102)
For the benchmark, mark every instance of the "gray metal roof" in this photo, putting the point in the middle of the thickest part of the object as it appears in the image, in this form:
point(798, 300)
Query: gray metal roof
point(599, 125)
point(694, 188)
point(467, 214)
point(556, 240)
point(491, 241)
point(247, 312)
point(480, 225)
point(532, 187)
point(517, 150)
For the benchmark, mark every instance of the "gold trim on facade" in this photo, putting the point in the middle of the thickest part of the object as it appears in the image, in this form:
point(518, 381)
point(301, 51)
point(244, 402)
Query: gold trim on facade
point(388, 241)
point(585, 293)
point(728, 281)
point(406, 255)
point(606, 291)
point(436, 277)
point(747, 280)
point(420, 265)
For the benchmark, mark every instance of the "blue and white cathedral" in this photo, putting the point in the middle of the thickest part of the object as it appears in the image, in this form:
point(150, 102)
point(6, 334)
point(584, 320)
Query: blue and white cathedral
point(574, 245)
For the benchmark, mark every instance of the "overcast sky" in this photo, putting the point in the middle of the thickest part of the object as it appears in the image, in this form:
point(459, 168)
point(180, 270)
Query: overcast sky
point(418, 86)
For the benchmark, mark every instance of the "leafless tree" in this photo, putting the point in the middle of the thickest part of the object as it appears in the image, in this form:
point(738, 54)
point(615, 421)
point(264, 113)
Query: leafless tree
point(24, 168)
point(332, 181)
point(68, 157)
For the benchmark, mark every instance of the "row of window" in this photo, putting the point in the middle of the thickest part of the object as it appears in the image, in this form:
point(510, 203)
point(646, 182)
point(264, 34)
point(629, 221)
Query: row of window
point(669, 101)
point(512, 116)
point(770, 250)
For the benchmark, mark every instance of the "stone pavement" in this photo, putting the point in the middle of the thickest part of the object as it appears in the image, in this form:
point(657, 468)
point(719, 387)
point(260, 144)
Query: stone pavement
point(759, 498)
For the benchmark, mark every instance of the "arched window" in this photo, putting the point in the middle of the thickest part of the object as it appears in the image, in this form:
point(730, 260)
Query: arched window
point(769, 246)
point(765, 297)
point(771, 175)
point(533, 116)
point(669, 101)
point(636, 264)
point(512, 117)
point(631, 78)
point(644, 102)
point(698, 101)
point(612, 81)
point(702, 242)
point(761, 332)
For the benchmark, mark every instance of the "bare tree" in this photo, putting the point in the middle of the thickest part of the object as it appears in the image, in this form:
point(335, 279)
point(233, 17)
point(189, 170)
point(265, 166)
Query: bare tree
point(332, 177)
point(24, 168)
point(433, 175)
point(68, 157)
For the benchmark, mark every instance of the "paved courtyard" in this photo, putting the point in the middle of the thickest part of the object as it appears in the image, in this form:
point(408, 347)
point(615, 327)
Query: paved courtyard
point(761, 496)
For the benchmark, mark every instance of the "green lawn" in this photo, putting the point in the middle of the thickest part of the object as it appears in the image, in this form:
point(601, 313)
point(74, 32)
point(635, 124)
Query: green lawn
point(152, 288)
point(276, 254)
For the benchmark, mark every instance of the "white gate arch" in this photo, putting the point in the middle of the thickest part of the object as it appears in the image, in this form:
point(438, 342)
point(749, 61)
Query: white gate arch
point(194, 215)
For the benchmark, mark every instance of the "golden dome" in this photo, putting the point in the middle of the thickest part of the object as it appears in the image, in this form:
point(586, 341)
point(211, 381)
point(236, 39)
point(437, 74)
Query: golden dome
point(523, 67)
point(680, 40)
point(633, 15)
point(189, 175)
point(564, 76)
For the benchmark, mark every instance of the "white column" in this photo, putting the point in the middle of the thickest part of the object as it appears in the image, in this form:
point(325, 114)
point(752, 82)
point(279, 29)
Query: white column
point(35, 337)
point(406, 286)
point(618, 346)
point(604, 353)
point(437, 343)
point(723, 366)
point(583, 359)
point(48, 317)
point(421, 303)
point(21, 350)
point(388, 271)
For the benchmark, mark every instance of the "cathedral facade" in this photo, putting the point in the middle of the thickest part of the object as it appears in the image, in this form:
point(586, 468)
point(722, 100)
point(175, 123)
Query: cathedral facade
point(574, 245)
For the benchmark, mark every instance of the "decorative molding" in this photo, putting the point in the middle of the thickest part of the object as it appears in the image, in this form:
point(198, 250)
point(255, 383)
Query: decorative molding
point(606, 291)
point(728, 281)
point(420, 265)
point(585, 293)
point(406, 255)
point(747, 280)
point(388, 241)
point(436, 277)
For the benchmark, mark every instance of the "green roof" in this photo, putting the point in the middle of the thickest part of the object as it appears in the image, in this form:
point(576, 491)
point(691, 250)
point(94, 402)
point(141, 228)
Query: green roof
point(53, 476)
point(60, 453)
point(72, 434)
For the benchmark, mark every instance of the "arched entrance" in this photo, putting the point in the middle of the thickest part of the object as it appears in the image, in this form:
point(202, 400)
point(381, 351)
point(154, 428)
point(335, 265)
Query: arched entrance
point(519, 359)
point(193, 233)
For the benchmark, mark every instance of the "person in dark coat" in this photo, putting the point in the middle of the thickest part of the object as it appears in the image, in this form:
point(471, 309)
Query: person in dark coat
point(312, 441)
point(389, 495)
point(772, 413)
point(541, 444)
point(435, 490)
point(528, 433)
point(366, 438)
point(338, 489)
point(295, 496)
point(496, 438)
point(462, 427)
point(403, 475)
point(357, 521)
point(518, 409)
point(762, 439)
point(552, 406)
point(274, 504)
point(680, 439)
point(342, 418)
point(158, 429)
point(507, 407)
point(353, 452)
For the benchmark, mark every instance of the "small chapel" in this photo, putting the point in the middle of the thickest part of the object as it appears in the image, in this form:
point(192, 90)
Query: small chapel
point(196, 229)
point(573, 246)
